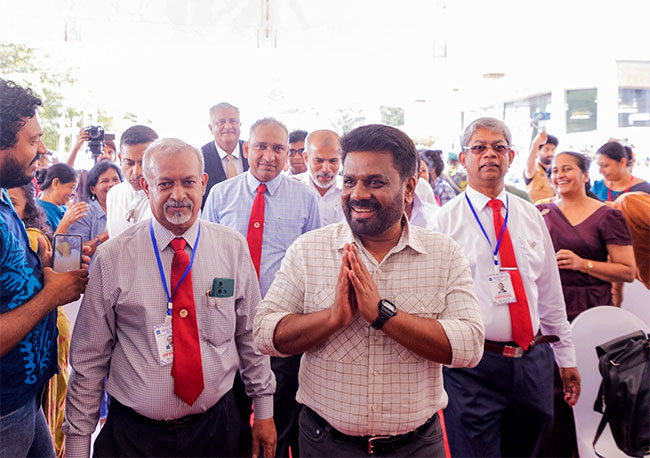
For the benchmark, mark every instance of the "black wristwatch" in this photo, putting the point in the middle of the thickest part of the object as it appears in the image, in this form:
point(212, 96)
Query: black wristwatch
point(387, 310)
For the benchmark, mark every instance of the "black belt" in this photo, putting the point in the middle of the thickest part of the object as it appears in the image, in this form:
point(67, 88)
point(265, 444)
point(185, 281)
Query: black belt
point(372, 444)
point(165, 424)
point(512, 350)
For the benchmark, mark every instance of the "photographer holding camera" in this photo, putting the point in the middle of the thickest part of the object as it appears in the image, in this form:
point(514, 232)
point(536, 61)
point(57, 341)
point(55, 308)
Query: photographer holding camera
point(101, 145)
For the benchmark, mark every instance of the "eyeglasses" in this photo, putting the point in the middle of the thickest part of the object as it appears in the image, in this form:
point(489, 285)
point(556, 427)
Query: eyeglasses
point(480, 149)
point(293, 152)
point(232, 121)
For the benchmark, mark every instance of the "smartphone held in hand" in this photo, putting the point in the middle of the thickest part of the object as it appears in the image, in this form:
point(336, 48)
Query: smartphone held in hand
point(66, 254)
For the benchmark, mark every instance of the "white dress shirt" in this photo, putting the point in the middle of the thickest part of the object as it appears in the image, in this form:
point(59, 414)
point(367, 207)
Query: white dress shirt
point(535, 257)
point(423, 213)
point(424, 190)
point(237, 160)
point(360, 379)
point(331, 208)
point(125, 207)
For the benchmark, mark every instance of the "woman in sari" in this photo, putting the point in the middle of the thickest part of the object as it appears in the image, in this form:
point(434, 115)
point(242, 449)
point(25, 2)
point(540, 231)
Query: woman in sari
point(613, 162)
point(57, 185)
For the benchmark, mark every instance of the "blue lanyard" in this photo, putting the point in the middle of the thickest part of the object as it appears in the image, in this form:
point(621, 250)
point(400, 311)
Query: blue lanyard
point(162, 272)
point(503, 228)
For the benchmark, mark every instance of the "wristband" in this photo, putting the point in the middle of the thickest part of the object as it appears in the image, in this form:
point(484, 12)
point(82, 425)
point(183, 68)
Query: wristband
point(98, 241)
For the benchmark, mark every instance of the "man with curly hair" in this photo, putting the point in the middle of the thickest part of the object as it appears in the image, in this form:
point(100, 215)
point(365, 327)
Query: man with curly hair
point(29, 293)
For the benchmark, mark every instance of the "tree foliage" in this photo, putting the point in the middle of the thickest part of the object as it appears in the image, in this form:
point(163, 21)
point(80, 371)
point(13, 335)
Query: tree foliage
point(392, 116)
point(347, 119)
point(32, 68)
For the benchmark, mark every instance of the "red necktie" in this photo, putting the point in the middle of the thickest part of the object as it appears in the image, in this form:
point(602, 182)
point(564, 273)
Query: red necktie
point(522, 328)
point(187, 368)
point(256, 228)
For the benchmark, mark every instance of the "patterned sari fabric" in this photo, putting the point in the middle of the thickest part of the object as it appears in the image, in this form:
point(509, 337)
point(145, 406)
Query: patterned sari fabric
point(57, 387)
point(636, 210)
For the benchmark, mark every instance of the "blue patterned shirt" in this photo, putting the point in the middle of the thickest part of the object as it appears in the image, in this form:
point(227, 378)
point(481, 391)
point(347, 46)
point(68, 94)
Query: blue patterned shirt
point(30, 364)
point(290, 210)
point(443, 190)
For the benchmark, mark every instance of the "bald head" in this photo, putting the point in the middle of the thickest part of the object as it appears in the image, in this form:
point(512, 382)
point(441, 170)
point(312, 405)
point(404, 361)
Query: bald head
point(170, 147)
point(322, 139)
point(323, 156)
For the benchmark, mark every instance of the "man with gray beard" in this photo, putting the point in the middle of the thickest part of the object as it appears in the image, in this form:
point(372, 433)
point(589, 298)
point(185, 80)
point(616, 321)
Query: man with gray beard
point(171, 334)
point(323, 157)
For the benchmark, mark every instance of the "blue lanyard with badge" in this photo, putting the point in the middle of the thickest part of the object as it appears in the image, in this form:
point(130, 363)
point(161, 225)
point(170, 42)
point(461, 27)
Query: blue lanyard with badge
point(163, 332)
point(499, 282)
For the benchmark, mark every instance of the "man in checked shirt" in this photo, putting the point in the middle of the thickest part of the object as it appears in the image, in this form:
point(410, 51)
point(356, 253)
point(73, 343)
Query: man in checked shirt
point(377, 306)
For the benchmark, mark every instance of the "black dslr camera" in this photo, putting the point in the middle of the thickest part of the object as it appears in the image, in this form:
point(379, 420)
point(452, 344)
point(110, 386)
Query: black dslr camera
point(96, 139)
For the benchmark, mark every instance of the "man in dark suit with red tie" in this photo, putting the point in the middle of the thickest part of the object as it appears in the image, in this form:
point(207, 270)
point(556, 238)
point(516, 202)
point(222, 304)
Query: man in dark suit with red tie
point(224, 157)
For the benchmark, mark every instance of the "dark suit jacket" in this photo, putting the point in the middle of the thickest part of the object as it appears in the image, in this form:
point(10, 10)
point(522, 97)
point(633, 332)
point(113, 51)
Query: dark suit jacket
point(214, 168)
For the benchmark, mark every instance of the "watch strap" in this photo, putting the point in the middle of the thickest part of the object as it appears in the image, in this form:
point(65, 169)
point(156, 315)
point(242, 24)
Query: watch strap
point(385, 313)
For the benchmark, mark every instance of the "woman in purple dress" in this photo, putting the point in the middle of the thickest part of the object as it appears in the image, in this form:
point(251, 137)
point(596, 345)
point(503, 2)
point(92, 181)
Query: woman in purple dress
point(585, 233)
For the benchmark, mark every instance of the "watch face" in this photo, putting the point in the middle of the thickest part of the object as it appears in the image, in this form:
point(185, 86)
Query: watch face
point(389, 305)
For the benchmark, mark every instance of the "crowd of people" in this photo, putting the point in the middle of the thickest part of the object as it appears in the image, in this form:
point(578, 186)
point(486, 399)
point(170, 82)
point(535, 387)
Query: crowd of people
point(303, 294)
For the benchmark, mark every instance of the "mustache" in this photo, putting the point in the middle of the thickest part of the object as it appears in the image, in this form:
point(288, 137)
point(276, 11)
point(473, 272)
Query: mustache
point(173, 203)
point(324, 175)
point(366, 203)
point(491, 164)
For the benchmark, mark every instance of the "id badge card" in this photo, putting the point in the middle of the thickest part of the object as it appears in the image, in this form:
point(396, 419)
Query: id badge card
point(501, 288)
point(164, 342)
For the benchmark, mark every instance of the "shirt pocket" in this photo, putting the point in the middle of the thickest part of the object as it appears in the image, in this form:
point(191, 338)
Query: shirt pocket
point(425, 304)
point(217, 324)
point(347, 345)
point(531, 264)
point(288, 225)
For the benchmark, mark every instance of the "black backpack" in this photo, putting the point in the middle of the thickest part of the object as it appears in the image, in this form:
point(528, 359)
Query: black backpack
point(624, 392)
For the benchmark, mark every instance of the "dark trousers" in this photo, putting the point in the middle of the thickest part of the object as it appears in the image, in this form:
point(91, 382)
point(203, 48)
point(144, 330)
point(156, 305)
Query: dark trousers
point(561, 440)
point(316, 441)
point(127, 433)
point(501, 407)
point(243, 406)
point(285, 408)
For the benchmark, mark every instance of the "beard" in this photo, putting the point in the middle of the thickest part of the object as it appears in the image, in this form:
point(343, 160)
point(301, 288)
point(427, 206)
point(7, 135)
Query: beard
point(178, 218)
point(546, 160)
point(314, 179)
point(381, 221)
point(12, 174)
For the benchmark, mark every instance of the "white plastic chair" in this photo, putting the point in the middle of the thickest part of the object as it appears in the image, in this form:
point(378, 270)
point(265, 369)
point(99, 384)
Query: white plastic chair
point(636, 299)
point(590, 329)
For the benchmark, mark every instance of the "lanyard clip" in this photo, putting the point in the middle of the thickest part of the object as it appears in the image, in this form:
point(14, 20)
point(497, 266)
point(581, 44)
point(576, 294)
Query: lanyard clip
point(496, 264)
